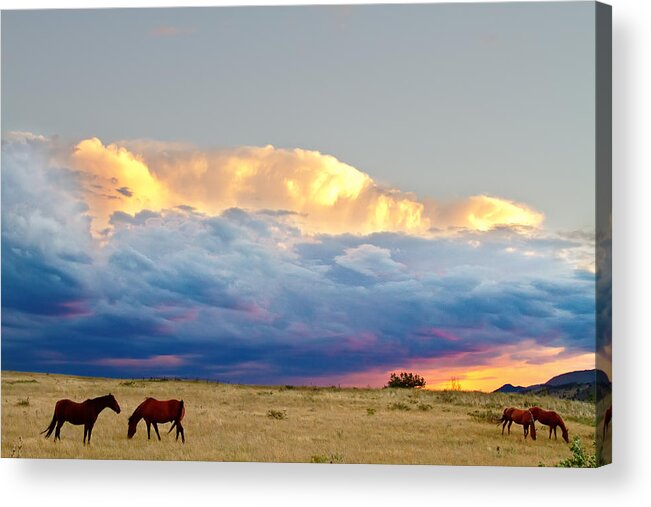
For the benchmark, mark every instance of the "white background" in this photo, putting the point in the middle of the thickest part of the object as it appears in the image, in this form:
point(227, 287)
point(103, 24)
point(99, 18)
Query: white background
point(58, 482)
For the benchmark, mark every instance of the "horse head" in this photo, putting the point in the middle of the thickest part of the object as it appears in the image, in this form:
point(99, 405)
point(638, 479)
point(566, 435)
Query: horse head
point(133, 424)
point(565, 435)
point(113, 403)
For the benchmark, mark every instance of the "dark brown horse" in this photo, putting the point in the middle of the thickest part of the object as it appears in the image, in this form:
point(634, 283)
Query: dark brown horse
point(79, 413)
point(524, 417)
point(551, 419)
point(607, 418)
point(154, 412)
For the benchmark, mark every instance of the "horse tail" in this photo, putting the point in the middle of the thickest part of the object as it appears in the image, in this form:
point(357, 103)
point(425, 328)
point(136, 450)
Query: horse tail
point(181, 410)
point(48, 431)
point(179, 416)
point(533, 427)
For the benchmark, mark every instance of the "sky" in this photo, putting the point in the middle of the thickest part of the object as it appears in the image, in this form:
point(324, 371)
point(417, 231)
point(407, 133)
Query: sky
point(300, 195)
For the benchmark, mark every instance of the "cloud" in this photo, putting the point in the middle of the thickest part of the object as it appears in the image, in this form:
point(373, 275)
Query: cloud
point(326, 195)
point(254, 295)
point(170, 31)
point(157, 362)
point(371, 261)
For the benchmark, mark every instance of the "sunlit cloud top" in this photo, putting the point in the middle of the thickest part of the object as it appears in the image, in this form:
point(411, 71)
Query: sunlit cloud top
point(327, 195)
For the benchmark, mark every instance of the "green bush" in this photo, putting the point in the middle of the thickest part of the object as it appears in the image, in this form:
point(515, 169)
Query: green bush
point(399, 405)
point(579, 457)
point(407, 380)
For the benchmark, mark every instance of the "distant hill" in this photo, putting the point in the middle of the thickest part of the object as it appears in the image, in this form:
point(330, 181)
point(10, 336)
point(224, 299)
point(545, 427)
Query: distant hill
point(579, 377)
point(510, 388)
point(581, 385)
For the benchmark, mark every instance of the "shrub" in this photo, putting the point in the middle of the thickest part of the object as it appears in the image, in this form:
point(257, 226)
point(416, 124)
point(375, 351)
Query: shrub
point(23, 403)
point(485, 416)
point(446, 397)
point(277, 414)
point(406, 380)
point(399, 405)
point(579, 457)
point(424, 407)
point(15, 450)
point(322, 458)
point(370, 411)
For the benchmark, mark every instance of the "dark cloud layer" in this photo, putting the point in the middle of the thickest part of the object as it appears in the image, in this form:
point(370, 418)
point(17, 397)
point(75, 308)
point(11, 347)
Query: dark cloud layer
point(246, 297)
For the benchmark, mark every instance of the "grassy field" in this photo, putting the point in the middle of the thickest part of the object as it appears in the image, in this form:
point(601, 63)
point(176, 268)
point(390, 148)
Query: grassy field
point(226, 422)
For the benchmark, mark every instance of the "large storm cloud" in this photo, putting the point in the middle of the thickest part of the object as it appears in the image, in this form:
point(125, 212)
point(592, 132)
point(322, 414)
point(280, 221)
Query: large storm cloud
point(250, 294)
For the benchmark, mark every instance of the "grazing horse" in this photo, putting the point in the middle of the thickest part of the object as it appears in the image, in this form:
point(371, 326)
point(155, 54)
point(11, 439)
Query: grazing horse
point(79, 413)
point(607, 418)
point(551, 419)
point(523, 417)
point(154, 412)
point(506, 419)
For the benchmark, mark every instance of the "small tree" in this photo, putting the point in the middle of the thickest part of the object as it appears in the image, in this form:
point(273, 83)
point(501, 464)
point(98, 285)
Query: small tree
point(405, 379)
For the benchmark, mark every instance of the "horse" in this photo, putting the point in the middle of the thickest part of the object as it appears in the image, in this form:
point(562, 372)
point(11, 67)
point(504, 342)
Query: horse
point(506, 418)
point(607, 418)
point(524, 417)
point(153, 412)
point(551, 419)
point(79, 413)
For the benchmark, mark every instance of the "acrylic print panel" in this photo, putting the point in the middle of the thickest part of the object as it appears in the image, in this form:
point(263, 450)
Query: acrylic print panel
point(327, 234)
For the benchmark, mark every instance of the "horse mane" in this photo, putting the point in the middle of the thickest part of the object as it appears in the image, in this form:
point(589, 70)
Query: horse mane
point(137, 413)
point(94, 400)
point(561, 423)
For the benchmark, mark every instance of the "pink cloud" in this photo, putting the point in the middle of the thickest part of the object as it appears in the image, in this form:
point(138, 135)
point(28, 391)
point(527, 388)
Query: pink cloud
point(440, 333)
point(160, 361)
point(74, 308)
point(169, 31)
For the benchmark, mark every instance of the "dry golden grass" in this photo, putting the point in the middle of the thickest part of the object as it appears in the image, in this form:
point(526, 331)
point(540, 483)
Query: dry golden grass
point(277, 424)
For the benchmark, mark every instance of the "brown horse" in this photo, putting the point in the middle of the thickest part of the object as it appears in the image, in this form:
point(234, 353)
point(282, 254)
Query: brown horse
point(154, 412)
point(506, 419)
point(607, 418)
point(524, 417)
point(551, 419)
point(79, 413)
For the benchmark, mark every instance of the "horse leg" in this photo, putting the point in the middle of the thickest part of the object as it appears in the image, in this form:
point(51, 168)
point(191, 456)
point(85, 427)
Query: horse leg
point(504, 426)
point(510, 423)
point(90, 431)
point(85, 431)
point(156, 430)
point(526, 430)
point(555, 437)
point(57, 432)
point(148, 430)
point(179, 429)
point(550, 432)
